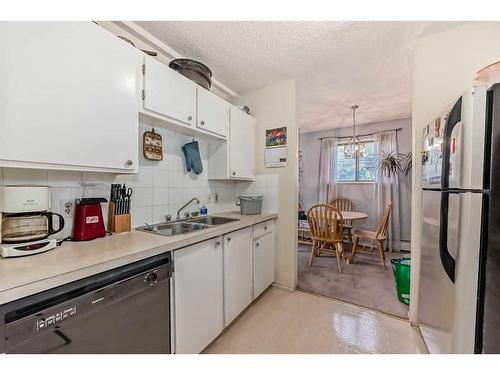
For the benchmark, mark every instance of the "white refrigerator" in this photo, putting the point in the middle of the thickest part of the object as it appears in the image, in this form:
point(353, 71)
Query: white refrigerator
point(456, 170)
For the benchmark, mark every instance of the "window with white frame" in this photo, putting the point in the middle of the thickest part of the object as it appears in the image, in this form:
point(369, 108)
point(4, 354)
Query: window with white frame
point(356, 169)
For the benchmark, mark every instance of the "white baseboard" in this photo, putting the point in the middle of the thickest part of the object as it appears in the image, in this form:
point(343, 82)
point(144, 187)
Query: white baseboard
point(284, 287)
point(405, 245)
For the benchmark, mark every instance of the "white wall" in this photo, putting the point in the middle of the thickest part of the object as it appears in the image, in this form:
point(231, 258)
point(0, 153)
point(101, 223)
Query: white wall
point(361, 194)
point(275, 106)
point(445, 65)
point(160, 187)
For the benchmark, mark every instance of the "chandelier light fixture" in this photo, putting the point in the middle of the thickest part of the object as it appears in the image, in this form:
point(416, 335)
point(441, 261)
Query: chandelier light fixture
point(354, 148)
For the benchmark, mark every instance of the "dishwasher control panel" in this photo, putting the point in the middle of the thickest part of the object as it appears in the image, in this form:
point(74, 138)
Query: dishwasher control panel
point(57, 317)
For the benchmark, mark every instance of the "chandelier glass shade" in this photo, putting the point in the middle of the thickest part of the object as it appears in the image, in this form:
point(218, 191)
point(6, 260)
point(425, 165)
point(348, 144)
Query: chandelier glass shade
point(355, 147)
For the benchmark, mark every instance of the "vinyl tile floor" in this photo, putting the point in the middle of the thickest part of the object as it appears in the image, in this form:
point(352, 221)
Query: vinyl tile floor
point(282, 322)
point(363, 283)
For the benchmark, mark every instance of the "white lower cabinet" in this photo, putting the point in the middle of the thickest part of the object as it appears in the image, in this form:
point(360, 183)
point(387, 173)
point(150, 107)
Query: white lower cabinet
point(198, 295)
point(237, 273)
point(215, 280)
point(263, 263)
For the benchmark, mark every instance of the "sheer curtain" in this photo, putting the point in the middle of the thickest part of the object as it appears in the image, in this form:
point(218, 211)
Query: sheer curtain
point(386, 190)
point(328, 156)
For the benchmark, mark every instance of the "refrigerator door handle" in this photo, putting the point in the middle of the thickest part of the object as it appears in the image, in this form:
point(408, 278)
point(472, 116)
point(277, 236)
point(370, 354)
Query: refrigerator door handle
point(454, 119)
point(446, 259)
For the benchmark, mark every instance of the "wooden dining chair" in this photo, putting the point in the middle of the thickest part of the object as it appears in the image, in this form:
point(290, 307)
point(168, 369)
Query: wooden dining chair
point(343, 204)
point(326, 226)
point(379, 237)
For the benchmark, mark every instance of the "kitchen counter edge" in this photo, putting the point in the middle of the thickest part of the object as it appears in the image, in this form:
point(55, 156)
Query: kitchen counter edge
point(21, 277)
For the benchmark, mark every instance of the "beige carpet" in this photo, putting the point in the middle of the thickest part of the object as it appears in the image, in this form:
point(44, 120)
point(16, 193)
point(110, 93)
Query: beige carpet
point(363, 283)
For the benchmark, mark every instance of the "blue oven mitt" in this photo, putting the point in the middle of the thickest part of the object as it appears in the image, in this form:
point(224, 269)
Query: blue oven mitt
point(191, 151)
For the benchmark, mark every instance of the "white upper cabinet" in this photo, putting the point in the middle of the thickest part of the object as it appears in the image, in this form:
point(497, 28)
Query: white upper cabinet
point(213, 113)
point(234, 159)
point(167, 93)
point(68, 97)
point(241, 145)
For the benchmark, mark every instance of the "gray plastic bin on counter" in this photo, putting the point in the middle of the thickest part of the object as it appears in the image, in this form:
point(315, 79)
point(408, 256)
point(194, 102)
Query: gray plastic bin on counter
point(250, 204)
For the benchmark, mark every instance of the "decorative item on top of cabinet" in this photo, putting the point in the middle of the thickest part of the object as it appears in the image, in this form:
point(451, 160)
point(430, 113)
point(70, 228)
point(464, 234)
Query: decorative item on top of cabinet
point(152, 145)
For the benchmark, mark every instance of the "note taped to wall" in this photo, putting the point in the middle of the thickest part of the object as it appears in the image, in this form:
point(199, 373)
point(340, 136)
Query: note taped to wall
point(275, 157)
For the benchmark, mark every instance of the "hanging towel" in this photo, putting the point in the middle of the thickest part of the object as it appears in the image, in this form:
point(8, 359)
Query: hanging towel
point(193, 160)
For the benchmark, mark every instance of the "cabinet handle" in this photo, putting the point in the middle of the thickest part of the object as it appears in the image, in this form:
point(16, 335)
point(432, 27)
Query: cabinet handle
point(129, 163)
point(265, 228)
point(190, 118)
point(234, 173)
point(229, 239)
point(202, 122)
point(217, 244)
point(257, 244)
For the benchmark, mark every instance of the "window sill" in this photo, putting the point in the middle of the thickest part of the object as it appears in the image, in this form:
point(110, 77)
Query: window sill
point(355, 182)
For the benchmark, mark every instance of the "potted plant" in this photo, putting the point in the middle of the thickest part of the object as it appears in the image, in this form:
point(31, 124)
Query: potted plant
point(393, 163)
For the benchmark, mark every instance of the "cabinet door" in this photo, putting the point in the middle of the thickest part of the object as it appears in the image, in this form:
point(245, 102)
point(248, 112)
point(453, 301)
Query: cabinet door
point(263, 263)
point(168, 93)
point(241, 145)
point(237, 273)
point(198, 295)
point(213, 113)
point(69, 96)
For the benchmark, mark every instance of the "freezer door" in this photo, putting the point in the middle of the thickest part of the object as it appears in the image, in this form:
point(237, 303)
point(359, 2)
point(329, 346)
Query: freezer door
point(463, 142)
point(436, 299)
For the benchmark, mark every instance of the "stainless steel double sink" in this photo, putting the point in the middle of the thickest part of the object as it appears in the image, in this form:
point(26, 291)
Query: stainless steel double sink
point(185, 226)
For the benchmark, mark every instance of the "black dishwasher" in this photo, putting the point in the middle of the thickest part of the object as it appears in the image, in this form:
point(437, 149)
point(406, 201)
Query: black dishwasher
point(121, 311)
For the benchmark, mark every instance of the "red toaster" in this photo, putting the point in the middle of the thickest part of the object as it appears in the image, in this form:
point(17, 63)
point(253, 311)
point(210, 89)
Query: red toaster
point(88, 222)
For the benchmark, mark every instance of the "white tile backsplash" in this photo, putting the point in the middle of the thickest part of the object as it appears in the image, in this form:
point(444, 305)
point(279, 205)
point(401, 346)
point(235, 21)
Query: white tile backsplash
point(160, 187)
point(160, 178)
point(14, 176)
point(142, 196)
point(160, 196)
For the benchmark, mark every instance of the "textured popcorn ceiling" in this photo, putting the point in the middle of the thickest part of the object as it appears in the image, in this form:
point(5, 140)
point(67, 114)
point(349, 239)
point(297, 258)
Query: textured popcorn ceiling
point(336, 64)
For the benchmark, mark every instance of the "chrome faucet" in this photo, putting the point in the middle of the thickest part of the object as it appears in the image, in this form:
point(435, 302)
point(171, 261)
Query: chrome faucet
point(187, 204)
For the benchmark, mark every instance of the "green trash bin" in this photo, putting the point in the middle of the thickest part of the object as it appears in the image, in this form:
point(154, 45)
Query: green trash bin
point(401, 268)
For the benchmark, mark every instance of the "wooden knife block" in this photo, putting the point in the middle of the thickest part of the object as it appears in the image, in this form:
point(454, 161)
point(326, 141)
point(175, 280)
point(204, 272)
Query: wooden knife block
point(118, 223)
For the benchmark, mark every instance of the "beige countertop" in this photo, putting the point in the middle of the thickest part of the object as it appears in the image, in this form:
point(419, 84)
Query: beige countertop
point(21, 277)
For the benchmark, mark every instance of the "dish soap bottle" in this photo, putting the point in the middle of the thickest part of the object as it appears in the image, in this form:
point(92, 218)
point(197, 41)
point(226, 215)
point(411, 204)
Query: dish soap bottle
point(203, 210)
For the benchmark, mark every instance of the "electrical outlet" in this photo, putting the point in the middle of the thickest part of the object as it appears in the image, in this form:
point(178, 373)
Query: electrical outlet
point(67, 207)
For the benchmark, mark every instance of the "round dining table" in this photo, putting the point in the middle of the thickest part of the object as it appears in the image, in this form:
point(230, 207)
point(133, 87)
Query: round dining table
point(353, 215)
point(346, 215)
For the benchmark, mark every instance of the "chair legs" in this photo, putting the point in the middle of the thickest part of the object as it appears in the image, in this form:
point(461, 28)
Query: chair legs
point(339, 251)
point(381, 252)
point(354, 247)
point(349, 236)
point(313, 251)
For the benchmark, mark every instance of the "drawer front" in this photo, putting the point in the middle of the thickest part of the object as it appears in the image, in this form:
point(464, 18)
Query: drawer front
point(263, 228)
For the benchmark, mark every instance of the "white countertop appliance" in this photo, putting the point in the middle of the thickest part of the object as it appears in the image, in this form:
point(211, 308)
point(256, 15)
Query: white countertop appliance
point(25, 220)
